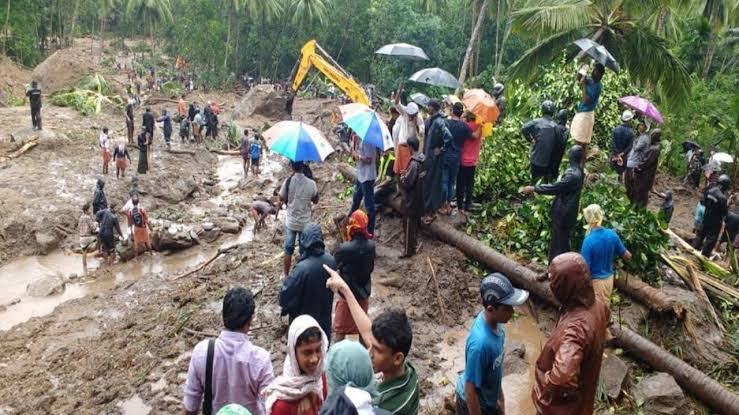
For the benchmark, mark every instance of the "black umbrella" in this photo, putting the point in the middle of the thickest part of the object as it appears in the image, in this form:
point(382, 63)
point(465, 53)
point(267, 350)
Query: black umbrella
point(403, 50)
point(598, 52)
point(436, 77)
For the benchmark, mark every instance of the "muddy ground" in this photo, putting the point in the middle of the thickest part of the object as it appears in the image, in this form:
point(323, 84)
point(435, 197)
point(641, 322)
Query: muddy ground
point(118, 340)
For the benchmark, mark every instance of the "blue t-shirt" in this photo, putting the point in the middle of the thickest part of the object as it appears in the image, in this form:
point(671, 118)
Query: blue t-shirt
point(599, 249)
point(592, 89)
point(483, 363)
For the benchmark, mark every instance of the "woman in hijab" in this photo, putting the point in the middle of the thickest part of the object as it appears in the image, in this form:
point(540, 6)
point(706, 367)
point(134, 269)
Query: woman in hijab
point(356, 260)
point(301, 389)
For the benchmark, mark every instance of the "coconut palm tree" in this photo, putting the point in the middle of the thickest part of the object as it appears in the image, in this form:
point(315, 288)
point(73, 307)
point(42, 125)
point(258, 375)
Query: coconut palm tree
point(720, 14)
point(432, 6)
point(150, 13)
point(308, 11)
point(619, 25)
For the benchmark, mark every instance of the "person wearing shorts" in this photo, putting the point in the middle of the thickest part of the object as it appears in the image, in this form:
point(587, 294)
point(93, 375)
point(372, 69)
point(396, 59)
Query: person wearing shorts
point(255, 152)
point(298, 192)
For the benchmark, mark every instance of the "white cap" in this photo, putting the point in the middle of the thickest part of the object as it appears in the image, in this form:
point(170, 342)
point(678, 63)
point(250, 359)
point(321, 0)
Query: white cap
point(411, 109)
point(627, 116)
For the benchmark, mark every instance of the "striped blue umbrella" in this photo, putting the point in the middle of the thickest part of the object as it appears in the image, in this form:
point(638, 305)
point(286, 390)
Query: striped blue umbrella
point(297, 141)
point(367, 124)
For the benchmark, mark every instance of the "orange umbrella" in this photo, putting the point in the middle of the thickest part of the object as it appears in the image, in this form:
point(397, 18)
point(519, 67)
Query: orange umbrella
point(481, 104)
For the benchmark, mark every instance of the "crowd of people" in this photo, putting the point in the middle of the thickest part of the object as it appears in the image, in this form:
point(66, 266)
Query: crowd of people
point(326, 294)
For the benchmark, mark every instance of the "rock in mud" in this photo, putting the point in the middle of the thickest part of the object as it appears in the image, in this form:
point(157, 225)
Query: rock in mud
point(177, 192)
point(262, 100)
point(229, 225)
point(49, 285)
point(515, 358)
point(46, 242)
point(660, 394)
point(5, 306)
point(613, 373)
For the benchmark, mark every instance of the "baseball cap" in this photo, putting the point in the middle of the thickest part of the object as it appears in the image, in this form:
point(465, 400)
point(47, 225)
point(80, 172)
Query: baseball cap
point(496, 289)
point(627, 116)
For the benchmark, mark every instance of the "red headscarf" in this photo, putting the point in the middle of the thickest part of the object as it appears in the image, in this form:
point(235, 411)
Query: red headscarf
point(358, 222)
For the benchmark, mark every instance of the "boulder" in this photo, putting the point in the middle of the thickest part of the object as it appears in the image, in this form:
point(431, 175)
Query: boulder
point(46, 286)
point(262, 100)
point(229, 225)
point(46, 241)
point(515, 358)
point(660, 394)
point(613, 373)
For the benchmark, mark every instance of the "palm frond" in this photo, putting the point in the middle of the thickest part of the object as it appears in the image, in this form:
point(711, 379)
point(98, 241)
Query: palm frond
point(527, 66)
point(552, 16)
point(309, 10)
point(649, 60)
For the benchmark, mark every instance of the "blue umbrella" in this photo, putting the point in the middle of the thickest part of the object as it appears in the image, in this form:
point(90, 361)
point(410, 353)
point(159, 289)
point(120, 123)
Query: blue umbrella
point(367, 124)
point(297, 141)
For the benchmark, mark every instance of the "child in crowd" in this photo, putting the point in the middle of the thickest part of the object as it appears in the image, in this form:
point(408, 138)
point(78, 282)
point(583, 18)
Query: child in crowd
point(389, 336)
point(255, 151)
point(302, 388)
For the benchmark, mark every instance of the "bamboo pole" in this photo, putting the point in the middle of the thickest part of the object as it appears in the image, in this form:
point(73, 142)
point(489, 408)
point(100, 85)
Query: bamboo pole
point(693, 380)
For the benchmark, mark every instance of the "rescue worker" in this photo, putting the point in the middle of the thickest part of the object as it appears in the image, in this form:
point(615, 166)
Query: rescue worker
point(566, 202)
point(542, 133)
point(34, 98)
point(568, 366)
point(716, 203)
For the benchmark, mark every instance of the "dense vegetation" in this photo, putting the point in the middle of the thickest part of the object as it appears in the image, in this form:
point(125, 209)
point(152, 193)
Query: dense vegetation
point(681, 54)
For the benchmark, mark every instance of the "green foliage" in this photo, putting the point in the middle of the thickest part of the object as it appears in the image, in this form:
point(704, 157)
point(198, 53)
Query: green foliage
point(93, 92)
point(520, 226)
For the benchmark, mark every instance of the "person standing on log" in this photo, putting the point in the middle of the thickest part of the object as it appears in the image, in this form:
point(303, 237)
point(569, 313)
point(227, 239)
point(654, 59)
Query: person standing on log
point(568, 366)
point(34, 98)
point(600, 247)
point(566, 202)
point(409, 124)
point(542, 133)
point(583, 122)
point(411, 191)
point(437, 141)
point(716, 203)
point(645, 172)
point(480, 387)
point(622, 137)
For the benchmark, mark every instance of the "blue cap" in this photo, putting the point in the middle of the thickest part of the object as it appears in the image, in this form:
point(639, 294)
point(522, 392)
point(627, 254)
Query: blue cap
point(496, 289)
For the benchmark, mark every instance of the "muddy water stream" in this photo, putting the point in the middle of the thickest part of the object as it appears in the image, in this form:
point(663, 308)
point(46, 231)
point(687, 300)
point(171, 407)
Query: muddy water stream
point(516, 387)
point(16, 275)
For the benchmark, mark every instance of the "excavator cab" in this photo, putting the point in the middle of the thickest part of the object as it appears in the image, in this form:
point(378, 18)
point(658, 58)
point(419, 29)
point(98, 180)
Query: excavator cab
point(312, 55)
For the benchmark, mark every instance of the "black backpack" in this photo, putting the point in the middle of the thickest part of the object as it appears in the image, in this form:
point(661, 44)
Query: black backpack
point(138, 218)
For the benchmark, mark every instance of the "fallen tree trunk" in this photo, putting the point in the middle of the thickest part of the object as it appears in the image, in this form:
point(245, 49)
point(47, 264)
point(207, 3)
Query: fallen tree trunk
point(227, 152)
point(654, 298)
point(178, 151)
point(693, 380)
point(17, 153)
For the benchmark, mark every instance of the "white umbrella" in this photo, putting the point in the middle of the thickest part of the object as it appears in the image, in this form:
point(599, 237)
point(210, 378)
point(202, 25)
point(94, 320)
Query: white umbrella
point(403, 50)
point(436, 77)
point(722, 157)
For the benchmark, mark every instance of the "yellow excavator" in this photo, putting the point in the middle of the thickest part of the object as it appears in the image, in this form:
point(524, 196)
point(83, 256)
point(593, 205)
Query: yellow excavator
point(312, 55)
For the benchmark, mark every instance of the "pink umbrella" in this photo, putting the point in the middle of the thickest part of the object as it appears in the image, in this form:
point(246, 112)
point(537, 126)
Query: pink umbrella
point(643, 106)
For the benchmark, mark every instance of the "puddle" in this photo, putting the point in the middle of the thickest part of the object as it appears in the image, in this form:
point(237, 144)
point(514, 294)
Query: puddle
point(516, 387)
point(134, 406)
point(17, 274)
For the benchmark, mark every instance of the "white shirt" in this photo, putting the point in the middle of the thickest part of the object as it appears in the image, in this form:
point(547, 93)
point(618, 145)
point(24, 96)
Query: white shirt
point(103, 141)
point(405, 126)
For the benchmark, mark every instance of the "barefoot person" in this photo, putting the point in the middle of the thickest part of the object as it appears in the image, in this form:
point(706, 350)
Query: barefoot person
point(122, 158)
point(259, 211)
point(109, 226)
point(87, 230)
point(104, 144)
point(140, 227)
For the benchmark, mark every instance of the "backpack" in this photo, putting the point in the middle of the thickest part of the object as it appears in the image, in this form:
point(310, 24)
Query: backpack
point(138, 218)
point(256, 149)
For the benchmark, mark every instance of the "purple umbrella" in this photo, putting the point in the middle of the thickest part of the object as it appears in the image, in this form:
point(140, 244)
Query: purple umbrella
point(643, 106)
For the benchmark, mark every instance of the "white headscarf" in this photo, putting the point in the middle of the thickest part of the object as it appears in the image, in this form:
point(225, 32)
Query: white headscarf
point(293, 385)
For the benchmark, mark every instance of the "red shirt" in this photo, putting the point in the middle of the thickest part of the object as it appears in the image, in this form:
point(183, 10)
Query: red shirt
point(471, 148)
point(308, 405)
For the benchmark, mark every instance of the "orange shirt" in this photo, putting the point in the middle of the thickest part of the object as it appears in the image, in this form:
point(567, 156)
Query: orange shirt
point(182, 107)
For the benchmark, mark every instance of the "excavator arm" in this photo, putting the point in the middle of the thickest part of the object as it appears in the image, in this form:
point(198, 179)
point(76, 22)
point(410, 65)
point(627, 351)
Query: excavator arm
point(313, 56)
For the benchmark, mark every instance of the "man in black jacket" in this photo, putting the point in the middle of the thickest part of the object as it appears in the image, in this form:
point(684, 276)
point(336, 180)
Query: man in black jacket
point(411, 190)
point(304, 291)
point(716, 203)
point(566, 202)
point(542, 133)
point(356, 261)
point(34, 97)
point(560, 145)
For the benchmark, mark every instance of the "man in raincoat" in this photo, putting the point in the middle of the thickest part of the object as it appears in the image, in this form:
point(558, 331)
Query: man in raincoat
point(304, 291)
point(568, 367)
point(566, 202)
point(543, 135)
point(438, 139)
